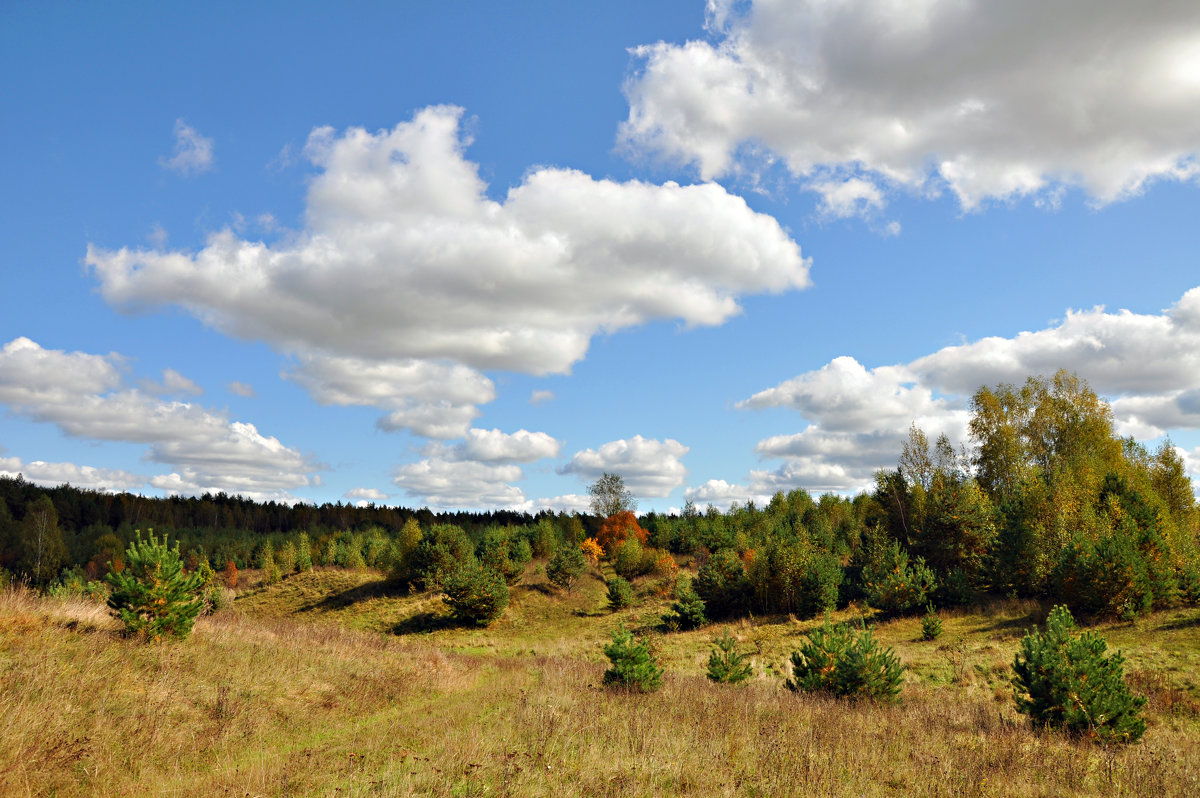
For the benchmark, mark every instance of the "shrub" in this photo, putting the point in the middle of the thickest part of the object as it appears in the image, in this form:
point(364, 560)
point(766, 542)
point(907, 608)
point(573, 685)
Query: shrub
point(475, 594)
point(687, 612)
point(847, 663)
point(303, 553)
point(567, 564)
point(931, 625)
point(620, 593)
point(634, 666)
point(617, 528)
point(152, 596)
point(722, 583)
point(230, 574)
point(896, 587)
point(1064, 681)
point(725, 664)
point(631, 559)
point(592, 551)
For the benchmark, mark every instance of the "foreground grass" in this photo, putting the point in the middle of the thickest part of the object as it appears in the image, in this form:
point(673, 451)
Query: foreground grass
point(290, 701)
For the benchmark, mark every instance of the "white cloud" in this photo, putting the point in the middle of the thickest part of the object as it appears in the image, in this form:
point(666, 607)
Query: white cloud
point(87, 477)
point(193, 152)
point(405, 258)
point(541, 397)
point(567, 503)
point(650, 467)
point(436, 400)
point(992, 100)
point(366, 494)
point(1146, 365)
point(243, 389)
point(845, 198)
point(175, 383)
point(85, 397)
point(494, 446)
point(722, 494)
point(462, 484)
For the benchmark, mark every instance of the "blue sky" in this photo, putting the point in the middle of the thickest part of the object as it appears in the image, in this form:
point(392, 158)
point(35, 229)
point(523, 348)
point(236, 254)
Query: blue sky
point(471, 255)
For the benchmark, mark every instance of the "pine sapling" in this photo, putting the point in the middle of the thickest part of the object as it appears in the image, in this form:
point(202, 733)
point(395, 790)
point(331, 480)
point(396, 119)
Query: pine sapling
point(152, 595)
point(725, 664)
point(634, 666)
point(1064, 681)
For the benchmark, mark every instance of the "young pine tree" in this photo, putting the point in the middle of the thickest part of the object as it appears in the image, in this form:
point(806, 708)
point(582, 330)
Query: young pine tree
point(1064, 681)
point(725, 664)
point(153, 596)
point(567, 565)
point(847, 663)
point(634, 666)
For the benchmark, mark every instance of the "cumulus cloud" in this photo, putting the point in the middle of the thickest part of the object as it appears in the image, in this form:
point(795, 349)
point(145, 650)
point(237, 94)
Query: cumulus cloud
point(650, 467)
point(243, 389)
point(193, 152)
point(84, 395)
point(435, 400)
point(366, 494)
point(494, 446)
point(462, 484)
point(566, 503)
point(405, 258)
point(87, 477)
point(993, 101)
point(541, 397)
point(1146, 365)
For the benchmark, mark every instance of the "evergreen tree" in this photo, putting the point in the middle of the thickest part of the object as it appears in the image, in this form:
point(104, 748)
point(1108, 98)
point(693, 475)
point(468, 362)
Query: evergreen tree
point(620, 593)
point(475, 594)
point(725, 664)
point(847, 663)
point(634, 666)
point(1064, 681)
point(153, 596)
point(687, 612)
point(567, 565)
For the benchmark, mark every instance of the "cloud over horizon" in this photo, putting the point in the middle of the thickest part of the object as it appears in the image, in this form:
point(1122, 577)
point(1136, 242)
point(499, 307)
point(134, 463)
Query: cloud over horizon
point(990, 101)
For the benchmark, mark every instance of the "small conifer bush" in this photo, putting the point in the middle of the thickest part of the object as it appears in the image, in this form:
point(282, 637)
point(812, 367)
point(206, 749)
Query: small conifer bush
point(634, 666)
point(620, 593)
point(475, 594)
point(152, 595)
point(846, 662)
point(931, 625)
point(725, 664)
point(687, 611)
point(1064, 681)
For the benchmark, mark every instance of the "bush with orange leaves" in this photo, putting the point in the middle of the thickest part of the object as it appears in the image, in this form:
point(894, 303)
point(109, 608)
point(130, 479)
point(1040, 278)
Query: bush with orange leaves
point(617, 528)
point(592, 550)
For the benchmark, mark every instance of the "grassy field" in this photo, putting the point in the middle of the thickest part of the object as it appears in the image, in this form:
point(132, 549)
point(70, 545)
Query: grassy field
point(327, 684)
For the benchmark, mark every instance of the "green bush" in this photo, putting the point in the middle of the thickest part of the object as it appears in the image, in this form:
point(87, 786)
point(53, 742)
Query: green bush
point(153, 596)
point(725, 664)
point(634, 666)
point(931, 625)
point(567, 565)
point(847, 663)
point(687, 611)
point(620, 593)
point(475, 594)
point(722, 583)
point(895, 586)
point(1064, 681)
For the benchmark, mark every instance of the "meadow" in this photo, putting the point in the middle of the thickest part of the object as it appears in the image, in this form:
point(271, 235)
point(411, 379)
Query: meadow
point(331, 683)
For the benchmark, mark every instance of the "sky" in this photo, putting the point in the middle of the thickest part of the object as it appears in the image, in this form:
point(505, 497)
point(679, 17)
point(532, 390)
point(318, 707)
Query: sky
point(472, 255)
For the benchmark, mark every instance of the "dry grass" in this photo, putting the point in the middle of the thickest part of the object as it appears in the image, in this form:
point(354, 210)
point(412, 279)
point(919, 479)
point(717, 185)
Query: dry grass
point(280, 705)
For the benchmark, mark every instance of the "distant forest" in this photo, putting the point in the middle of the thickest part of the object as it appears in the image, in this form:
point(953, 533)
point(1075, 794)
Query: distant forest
point(1049, 502)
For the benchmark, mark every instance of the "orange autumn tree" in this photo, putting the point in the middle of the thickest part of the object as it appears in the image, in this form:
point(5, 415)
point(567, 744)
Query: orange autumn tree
point(617, 528)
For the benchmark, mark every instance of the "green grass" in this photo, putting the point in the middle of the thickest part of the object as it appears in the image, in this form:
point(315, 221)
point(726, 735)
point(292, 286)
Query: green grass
point(334, 683)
